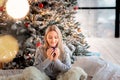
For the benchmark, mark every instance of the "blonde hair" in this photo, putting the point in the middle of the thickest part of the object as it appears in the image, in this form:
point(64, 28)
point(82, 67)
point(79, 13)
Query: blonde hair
point(60, 42)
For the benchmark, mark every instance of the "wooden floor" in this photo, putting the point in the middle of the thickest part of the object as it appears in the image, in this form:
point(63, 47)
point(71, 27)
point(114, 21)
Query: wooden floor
point(108, 47)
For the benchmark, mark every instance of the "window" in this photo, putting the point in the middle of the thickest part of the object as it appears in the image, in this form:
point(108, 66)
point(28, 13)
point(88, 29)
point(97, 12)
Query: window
point(97, 17)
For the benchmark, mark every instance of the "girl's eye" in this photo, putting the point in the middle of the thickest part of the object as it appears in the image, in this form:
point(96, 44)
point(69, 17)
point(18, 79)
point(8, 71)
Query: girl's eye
point(50, 37)
point(56, 37)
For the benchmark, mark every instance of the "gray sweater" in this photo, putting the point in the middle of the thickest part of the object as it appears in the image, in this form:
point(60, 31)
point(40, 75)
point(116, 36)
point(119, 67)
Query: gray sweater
point(52, 68)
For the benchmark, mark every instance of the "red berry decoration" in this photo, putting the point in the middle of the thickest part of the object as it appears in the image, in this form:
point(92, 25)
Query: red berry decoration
point(76, 7)
point(41, 5)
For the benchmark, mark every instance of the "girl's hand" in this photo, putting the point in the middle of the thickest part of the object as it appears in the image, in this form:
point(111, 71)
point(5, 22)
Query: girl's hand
point(49, 53)
point(57, 53)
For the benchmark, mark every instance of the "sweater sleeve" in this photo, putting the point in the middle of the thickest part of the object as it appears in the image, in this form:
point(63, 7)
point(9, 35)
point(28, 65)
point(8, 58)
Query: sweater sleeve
point(64, 65)
point(39, 62)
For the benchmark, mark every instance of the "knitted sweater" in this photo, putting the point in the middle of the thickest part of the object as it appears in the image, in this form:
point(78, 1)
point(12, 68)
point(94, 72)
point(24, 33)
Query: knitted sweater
point(52, 68)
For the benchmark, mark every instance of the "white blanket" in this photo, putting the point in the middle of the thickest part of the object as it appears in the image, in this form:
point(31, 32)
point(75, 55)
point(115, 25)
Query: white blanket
point(99, 68)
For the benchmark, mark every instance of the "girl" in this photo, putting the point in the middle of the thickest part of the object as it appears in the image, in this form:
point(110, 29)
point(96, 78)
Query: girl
point(52, 58)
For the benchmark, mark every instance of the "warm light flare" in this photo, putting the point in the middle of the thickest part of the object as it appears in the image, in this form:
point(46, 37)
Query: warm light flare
point(1, 2)
point(8, 48)
point(17, 8)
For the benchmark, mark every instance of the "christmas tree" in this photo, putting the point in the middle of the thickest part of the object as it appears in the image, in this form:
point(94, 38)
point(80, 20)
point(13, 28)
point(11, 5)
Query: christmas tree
point(30, 31)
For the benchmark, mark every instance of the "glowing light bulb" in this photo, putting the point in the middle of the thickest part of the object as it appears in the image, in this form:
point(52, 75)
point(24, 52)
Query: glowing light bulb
point(17, 8)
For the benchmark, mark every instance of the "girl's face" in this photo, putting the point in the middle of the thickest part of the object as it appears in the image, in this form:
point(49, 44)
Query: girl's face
point(52, 38)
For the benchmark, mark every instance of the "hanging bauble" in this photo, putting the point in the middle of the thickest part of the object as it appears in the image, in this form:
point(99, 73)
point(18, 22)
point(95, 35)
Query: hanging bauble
point(38, 44)
point(26, 24)
point(76, 8)
point(2, 8)
point(40, 5)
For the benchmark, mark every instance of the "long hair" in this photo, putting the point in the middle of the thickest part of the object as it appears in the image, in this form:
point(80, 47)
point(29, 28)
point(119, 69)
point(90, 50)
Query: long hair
point(60, 41)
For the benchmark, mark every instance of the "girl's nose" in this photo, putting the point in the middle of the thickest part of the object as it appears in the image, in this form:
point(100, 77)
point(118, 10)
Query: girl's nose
point(53, 40)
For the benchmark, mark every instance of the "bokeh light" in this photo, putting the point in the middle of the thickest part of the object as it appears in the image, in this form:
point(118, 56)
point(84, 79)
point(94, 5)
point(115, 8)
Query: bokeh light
point(17, 9)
